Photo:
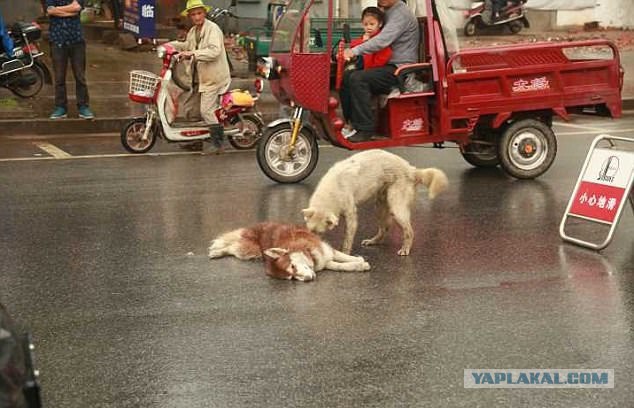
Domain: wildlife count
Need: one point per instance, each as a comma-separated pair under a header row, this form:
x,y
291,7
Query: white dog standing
x,y
372,173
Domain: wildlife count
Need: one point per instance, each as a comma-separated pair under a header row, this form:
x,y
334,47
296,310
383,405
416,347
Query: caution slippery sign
x,y
603,188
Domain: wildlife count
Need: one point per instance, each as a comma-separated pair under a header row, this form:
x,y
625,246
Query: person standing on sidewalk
x,y
204,46
68,45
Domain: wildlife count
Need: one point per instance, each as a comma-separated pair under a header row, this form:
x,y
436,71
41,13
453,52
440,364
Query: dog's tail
x,y
435,180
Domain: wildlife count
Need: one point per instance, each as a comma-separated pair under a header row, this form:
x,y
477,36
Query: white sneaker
x,y
348,132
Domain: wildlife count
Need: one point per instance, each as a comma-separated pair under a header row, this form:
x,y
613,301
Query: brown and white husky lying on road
x,y
289,251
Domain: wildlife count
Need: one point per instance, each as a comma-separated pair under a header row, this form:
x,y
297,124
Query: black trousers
x,y
498,5
361,85
60,56
345,95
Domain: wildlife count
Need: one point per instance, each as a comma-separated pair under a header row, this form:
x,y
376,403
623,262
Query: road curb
x,y
61,126
267,105
43,126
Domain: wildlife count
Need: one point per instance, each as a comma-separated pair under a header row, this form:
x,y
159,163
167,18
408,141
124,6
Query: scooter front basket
x,y
143,85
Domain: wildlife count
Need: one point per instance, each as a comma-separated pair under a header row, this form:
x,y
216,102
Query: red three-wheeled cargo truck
x,y
496,103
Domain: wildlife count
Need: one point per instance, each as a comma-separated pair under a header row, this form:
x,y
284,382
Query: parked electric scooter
x,y
23,73
237,109
480,17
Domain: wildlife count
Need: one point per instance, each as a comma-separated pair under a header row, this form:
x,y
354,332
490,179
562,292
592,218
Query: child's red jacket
x,y
377,59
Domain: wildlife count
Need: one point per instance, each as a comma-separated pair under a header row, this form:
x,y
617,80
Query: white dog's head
x,y
319,221
282,264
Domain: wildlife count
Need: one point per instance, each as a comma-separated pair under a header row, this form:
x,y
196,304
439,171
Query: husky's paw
x,y
216,249
359,259
368,242
403,252
364,266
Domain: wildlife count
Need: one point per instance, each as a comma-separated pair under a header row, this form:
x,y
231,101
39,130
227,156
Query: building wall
x,y
166,10
542,20
253,9
615,13
577,17
612,13
25,10
609,13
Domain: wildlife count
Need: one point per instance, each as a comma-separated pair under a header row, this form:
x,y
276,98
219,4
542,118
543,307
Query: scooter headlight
x,y
259,85
268,68
161,51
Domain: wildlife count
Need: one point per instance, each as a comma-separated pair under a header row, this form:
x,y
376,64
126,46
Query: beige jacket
x,y
210,57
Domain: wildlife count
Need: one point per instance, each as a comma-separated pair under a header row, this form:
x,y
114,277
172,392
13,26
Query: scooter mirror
x,y
346,33
319,42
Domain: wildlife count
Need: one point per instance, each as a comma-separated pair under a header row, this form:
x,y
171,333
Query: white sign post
x,y
602,189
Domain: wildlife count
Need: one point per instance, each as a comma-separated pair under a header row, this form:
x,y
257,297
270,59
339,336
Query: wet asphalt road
x,y
104,259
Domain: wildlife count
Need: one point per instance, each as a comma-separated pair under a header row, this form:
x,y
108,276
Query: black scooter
x,y
480,17
24,73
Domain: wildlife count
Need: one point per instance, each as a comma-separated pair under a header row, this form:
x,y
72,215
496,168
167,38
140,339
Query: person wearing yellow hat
x,y
192,4
204,47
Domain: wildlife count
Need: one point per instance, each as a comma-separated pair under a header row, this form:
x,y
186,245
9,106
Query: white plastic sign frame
x,y
603,187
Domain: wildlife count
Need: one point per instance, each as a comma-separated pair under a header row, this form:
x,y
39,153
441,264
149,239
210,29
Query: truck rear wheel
x,y
527,148
281,163
481,152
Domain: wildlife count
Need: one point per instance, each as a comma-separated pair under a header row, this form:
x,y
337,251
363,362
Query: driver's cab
x,y
303,53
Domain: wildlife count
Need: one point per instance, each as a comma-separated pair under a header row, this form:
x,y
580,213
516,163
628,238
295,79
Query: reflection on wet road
x,y
96,260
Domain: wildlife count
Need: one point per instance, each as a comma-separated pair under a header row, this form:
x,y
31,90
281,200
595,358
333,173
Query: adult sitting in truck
x,y
401,33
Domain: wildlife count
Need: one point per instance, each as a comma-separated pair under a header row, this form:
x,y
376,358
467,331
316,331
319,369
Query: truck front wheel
x,y
283,163
527,148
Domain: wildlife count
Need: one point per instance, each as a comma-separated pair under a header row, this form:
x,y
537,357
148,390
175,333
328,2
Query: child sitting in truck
x,y
372,19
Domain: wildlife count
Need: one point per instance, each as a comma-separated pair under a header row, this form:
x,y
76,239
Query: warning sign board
x,y
603,185
602,189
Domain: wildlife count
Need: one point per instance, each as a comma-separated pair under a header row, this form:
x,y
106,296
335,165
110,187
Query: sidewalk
x,y
108,68
107,72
